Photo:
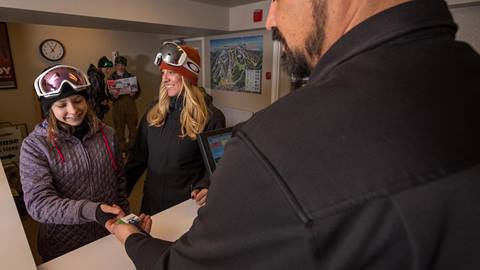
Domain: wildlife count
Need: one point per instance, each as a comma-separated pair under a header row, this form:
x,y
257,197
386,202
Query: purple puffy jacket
x,y
63,185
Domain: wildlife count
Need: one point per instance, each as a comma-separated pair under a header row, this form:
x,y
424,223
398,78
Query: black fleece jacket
x,y
174,164
371,165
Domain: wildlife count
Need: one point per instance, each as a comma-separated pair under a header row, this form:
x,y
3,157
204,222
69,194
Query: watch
x,y
52,49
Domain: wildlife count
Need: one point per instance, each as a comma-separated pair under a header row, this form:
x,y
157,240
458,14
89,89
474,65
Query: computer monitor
x,y
212,145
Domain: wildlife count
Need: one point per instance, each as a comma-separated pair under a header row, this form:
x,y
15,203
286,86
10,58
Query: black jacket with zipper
x,y
372,165
174,164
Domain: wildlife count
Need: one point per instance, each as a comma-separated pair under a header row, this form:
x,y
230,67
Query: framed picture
x,y
236,64
7,72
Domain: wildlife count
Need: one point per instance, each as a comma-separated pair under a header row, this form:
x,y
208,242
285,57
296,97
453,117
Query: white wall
x,y
468,20
241,17
457,2
168,12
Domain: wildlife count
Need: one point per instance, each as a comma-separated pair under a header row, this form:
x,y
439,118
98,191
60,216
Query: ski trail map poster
x,y
236,64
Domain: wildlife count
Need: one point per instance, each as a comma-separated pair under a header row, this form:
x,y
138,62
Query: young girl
x,y
70,166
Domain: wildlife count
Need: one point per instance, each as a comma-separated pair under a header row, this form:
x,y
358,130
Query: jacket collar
x,y
176,103
43,127
383,27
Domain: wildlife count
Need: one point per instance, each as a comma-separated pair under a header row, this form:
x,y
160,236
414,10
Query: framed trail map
x,y
236,64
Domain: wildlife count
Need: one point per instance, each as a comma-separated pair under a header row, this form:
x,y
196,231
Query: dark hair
x,y
121,60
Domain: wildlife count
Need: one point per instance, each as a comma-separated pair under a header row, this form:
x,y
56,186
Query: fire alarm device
x,y
257,15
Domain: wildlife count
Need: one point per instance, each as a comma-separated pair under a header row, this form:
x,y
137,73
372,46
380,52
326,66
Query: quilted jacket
x,y
64,183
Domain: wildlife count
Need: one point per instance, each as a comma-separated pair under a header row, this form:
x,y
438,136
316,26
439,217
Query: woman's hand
x,y
113,209
105,212
200,196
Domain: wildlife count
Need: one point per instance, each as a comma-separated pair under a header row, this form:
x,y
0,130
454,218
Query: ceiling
x,y
227,3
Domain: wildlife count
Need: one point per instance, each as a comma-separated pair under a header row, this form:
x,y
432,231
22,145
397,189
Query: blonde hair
x,y
194,115
54,124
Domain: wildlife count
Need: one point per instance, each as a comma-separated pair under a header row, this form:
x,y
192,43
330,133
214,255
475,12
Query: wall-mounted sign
x,y
7,73
10,142
236,64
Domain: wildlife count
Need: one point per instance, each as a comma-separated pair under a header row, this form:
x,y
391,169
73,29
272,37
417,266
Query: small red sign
x,y
257,15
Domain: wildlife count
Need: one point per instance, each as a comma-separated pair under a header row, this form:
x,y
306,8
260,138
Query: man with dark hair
x,y
374,164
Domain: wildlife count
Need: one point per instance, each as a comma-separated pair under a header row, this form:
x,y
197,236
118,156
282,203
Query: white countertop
x,y
107,253
14,249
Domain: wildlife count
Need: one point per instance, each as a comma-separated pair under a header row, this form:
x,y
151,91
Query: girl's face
x,y
172,82
70,110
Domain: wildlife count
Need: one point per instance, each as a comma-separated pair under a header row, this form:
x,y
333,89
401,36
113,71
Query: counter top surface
x,y
107,253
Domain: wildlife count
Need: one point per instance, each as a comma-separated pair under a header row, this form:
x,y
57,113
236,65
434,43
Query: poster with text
x,y
10,143
7,73
125,86
236,64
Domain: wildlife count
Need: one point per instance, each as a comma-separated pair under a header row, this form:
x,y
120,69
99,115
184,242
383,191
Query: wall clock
x,y
52,49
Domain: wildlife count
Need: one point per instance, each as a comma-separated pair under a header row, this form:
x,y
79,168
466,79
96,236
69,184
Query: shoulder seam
x,y
292,200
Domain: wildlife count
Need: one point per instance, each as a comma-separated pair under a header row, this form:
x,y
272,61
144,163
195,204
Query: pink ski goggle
x,y
50,82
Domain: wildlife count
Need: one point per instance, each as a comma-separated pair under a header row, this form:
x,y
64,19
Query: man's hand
x,y
200,196
123,231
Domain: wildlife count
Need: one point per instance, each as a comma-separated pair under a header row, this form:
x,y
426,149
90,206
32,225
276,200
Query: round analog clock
x,y
52,49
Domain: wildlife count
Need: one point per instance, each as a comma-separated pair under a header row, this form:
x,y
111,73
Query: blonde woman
x,y
166,138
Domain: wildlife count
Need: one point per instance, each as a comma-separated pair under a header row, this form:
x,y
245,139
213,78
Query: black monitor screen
x,y
212,144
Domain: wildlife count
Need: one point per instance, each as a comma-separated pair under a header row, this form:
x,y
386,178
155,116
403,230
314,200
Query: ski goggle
x,y
174,55
50,82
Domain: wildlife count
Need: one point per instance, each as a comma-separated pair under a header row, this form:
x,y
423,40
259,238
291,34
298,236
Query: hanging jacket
x,y
63,185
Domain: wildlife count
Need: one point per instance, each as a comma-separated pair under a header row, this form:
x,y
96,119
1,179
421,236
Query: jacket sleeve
x,y
137,162
121,177
40,196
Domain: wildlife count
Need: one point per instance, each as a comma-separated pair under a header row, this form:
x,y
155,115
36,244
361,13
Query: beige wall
x,y
83,46
468,20
238,100
168,12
